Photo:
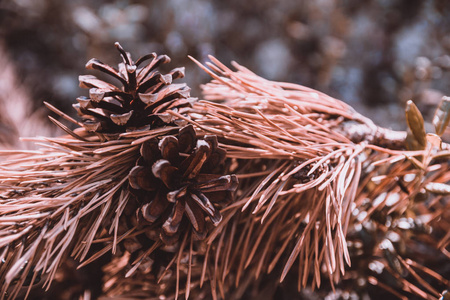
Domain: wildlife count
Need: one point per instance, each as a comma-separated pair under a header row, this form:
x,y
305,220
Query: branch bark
x,y
362,128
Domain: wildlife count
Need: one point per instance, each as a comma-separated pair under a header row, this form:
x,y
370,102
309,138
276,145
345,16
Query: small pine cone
x,y
178,180
142,101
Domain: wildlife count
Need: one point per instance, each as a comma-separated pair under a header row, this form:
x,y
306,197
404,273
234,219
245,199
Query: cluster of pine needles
x,y
326,201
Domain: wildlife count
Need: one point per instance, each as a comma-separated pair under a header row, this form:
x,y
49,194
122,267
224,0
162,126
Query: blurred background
x,y
374,55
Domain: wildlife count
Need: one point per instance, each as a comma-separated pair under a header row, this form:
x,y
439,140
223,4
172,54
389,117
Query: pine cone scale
x,y
84,102
109,107
154,82
140,178
153,210
169,149
177,194
150,151
186,139
121,119
196,163
178,72
196,218
95,64
203,202
148,99
172,223
89,81
144,58
163,170
168,94
155,63
223,183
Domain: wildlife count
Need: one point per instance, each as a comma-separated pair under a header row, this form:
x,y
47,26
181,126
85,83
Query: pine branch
x,y
324,195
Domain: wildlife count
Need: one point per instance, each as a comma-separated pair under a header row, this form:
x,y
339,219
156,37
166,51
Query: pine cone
x,y
178,178
143,99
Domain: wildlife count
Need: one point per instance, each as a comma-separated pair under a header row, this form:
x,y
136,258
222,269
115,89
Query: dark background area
x,y
374,55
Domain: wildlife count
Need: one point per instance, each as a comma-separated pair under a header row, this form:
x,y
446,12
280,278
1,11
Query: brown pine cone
x,y
178,179
142,101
